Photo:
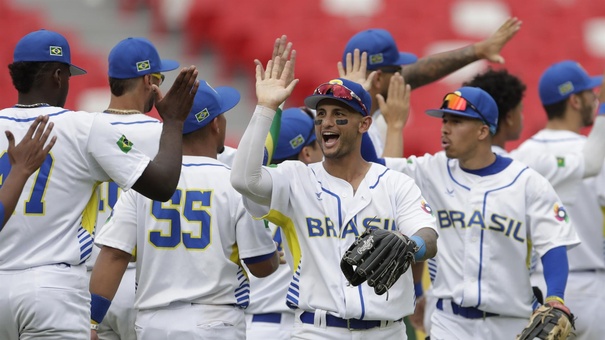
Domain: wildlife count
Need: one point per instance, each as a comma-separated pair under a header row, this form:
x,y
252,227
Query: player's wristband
x,y
98,308
601,109
94,326
554,299
421,247
418,289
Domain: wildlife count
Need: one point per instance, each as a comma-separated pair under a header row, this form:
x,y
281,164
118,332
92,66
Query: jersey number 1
x,y
35,204
194,208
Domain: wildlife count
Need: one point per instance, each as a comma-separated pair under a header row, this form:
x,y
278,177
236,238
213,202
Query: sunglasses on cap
x,y
342,92
159,76
453,101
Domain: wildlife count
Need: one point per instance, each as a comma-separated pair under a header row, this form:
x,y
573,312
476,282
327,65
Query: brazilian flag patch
x,y
56,51
560,162
124,144
143,65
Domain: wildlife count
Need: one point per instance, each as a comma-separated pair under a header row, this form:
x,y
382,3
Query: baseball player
x,y
190,282
322,207
46,242
566,93
508,92
268,316
385,59
24,159
491,212
134,68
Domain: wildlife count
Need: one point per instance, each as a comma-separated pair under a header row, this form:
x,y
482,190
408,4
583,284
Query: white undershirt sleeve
x,y
594,149
248,176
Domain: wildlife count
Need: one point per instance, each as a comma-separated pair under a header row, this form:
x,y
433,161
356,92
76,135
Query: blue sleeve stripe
x,y
257,259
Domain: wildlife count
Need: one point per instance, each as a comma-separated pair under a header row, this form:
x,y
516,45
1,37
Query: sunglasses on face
x,y
341,92
159,76
454,101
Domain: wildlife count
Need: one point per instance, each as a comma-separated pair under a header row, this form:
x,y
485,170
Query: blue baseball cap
x,y
297,131
381,48
45,46
136,57
563,79
208,104
479,105
357,94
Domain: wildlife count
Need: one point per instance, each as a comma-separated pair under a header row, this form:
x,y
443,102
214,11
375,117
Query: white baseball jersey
x,y
268,294
321,217
56,213
189,248
488,221
227,155
582,197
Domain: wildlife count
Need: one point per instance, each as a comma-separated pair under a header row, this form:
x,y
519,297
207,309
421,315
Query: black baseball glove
x,y
378,256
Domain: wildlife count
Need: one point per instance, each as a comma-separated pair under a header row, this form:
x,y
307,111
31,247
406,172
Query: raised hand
x,y
356,69
30,153
396,107
177,102
283,49
490,48
276,83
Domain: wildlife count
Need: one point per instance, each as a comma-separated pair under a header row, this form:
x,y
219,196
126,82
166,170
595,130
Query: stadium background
x,y
222,38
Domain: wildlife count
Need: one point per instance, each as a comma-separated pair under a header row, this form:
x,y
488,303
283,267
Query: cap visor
x,y
439,113
406,58
169,65
229,97
596,81
76,71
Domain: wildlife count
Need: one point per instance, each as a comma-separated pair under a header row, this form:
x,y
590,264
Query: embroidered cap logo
x,y
143,65
200,116
56,51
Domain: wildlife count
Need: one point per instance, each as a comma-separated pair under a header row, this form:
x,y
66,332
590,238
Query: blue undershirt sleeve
x,y
556,269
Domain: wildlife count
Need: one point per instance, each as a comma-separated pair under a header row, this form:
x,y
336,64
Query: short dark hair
x,y
506,89
120,86
25,74
555,110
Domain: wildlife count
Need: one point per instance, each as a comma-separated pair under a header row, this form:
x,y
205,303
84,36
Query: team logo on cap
x,y
56,51
297,141
560,213
565,88
143,66
376,59
200,116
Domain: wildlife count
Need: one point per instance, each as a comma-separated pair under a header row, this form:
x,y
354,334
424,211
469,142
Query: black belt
x,y
466,312
267,317
334,321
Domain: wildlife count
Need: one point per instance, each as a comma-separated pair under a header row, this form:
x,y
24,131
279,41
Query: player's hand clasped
x,y
378,256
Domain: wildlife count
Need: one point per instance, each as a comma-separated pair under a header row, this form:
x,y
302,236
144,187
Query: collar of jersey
x,y
498,165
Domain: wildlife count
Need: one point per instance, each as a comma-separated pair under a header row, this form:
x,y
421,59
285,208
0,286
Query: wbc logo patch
x,y
200,116
56,51
560,213
143,65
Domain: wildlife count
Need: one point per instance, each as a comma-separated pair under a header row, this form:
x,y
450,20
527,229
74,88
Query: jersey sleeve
x,y
252,237
549,222
113,156
556,169
413,211
281,178
120,230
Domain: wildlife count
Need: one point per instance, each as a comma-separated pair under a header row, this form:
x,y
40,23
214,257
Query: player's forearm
x,y
393,146
10,192
594,148
108,271
247,175
436,66
556,270
159,180
417,273
429,237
